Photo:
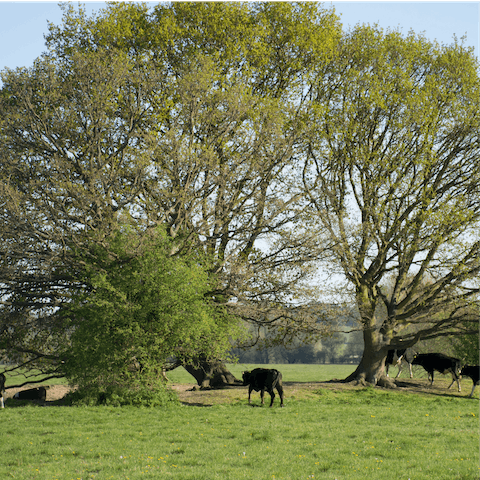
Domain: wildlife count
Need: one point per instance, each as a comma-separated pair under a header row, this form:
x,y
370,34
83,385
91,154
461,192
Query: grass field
x,y
326,431
290,372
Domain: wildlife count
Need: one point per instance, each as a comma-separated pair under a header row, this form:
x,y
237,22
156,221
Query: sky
x,y
24,23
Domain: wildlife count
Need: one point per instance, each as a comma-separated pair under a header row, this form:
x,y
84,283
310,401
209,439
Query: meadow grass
x,y
18,377
327,434
290,372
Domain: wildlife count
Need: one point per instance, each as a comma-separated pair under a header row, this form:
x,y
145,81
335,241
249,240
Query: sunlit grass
x,y
18,377
327,434
290,372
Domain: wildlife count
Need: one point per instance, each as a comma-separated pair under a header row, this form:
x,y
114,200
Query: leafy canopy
x,y
143,305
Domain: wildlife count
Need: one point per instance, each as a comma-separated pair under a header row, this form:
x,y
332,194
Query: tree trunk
x,y
371,369
211,374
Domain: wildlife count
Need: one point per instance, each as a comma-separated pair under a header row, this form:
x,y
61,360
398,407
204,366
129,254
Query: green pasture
x,y
329,433
18,378
290,372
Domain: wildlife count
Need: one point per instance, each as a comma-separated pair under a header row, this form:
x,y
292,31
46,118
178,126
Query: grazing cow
x,y
471,371
261,379
441,363
39,393
2,390
398,357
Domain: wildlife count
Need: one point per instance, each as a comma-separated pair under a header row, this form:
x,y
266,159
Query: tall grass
x,y
331,433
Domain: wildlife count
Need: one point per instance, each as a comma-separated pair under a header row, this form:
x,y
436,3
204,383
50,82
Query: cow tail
x,y
276,378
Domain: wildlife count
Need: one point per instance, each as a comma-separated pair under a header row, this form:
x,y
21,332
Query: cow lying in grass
x,y
262,379
39,393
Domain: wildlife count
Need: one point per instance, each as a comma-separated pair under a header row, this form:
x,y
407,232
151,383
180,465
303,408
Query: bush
x,y
143,306
466,348
117,395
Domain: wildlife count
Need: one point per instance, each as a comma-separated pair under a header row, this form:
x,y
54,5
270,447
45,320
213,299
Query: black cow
x,y
398,357
261,379
441,363
39,393
471,371
2,390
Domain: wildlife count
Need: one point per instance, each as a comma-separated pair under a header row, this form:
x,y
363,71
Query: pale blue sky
x,y
23,24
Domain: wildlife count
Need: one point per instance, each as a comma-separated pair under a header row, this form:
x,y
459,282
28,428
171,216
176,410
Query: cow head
x,y
246,378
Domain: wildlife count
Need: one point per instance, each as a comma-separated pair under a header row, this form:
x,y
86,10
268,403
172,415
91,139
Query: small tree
x,y
143,306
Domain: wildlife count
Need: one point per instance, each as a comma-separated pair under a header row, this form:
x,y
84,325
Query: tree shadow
x,y
419,387
196,404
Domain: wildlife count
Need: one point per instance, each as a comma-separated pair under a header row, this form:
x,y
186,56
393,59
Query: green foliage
x,y
143,305
180,114
393,177
257,134
133,393
467,348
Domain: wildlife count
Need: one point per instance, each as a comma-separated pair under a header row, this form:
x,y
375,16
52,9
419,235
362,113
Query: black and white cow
x,y
39,393
471,371
261,379
441,363
398,357
2,390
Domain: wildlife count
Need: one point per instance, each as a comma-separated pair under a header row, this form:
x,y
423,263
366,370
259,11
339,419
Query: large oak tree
x,y
259,136
392,174
158,119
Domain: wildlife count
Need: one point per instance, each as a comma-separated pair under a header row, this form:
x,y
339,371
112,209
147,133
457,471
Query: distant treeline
x,y
347,348
340,348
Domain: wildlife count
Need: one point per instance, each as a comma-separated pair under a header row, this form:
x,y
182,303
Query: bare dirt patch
x,y
306,390
54,392
189,394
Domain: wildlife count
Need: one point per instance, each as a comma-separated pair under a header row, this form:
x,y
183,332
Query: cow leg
x,y
2,403
280,392
410,369
474,385
455,378
272,396
249,394
386,368
399,365
430,377
262,394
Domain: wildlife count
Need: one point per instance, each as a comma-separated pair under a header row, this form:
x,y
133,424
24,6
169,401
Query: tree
x,y
392,175
68,175
467,347
144,306
158,119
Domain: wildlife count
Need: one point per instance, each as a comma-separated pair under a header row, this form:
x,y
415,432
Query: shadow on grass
x,y
411,386
13,403
212,397
195,404
427,389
